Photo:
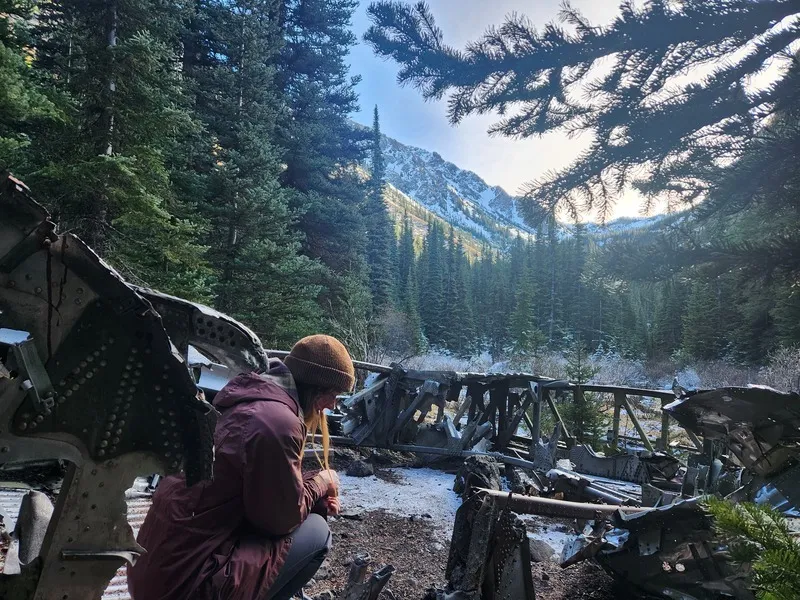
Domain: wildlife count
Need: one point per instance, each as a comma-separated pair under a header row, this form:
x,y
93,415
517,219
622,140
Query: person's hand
x,y
330,481
334,505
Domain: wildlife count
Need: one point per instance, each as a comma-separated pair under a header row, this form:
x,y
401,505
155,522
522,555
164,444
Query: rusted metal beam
x,y
618,399
531,505
637,425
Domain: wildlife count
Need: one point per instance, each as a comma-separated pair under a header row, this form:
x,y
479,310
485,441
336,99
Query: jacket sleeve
x,y
276,497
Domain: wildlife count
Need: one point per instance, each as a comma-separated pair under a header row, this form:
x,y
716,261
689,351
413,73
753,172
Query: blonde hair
x,y
316,421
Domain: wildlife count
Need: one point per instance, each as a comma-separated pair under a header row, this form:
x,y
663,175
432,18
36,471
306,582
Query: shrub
x,y
760,536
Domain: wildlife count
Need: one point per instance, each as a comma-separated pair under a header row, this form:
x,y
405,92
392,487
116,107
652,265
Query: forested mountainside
x,y
207,150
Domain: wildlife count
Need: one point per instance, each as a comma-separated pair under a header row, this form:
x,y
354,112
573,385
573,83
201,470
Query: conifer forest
x,y
206,149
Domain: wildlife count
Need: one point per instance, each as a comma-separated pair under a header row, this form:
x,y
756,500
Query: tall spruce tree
x,y
381,242
322,147
104,169
260,275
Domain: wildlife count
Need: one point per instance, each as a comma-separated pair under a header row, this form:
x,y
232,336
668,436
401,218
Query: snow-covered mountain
x,y
458,196
461,198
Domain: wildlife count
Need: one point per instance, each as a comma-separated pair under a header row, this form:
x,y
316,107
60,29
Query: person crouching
x,y
258,530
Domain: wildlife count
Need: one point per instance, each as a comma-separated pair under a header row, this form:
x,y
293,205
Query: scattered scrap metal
x,y
106,376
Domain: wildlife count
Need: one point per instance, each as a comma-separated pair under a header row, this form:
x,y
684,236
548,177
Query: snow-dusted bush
x,y
783,370
438,360
613,368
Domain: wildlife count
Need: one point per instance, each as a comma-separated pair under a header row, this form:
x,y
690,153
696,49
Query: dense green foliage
x,y
760,539
205,148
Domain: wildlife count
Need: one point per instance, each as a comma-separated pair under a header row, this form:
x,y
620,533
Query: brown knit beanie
x,y
323,361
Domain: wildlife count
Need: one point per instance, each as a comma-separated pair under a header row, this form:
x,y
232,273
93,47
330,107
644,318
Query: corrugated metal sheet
x,y
137,510
11,499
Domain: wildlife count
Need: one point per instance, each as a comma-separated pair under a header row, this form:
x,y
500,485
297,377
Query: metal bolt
x,y
38,290
115,441
101,453
12,284
121,423
103,363
61,399
39,418
103,444
106,434
78,301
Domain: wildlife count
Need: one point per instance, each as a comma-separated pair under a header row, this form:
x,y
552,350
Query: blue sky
x,y
409,119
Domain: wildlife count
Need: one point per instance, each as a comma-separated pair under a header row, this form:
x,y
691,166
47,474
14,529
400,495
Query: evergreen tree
x,y
527,338
103,169
381,241
701,337
459,326
760,536
321,145
24,104
669,322
583,416
432,277
261,278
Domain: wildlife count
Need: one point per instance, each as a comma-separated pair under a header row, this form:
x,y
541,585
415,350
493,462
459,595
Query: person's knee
x,y
322,539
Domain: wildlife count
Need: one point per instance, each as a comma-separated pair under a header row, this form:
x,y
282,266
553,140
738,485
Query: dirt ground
x,y
420,558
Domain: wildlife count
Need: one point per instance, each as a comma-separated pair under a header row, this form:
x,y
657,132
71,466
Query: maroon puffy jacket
x,y
226,538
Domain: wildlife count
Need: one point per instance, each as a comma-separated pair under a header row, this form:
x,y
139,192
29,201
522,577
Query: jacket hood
x,y
276,384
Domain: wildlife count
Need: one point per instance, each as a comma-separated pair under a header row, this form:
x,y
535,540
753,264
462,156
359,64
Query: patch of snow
x,y
556,535
418,492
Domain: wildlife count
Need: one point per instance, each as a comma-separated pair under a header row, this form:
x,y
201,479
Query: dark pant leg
x,y
310,545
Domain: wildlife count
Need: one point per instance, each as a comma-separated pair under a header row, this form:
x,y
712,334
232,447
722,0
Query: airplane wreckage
x,y
107,377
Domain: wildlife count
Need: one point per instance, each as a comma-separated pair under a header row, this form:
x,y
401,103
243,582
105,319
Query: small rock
x,y
437,547
426,516
545,577
322,573
360,468
541,551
